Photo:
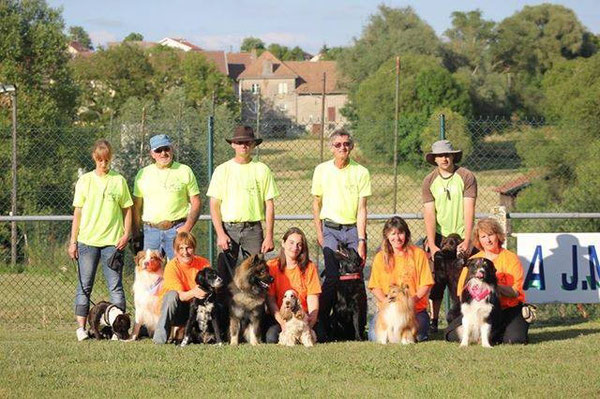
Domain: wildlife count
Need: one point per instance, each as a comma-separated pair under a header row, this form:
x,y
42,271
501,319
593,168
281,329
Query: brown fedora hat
x,y
244,134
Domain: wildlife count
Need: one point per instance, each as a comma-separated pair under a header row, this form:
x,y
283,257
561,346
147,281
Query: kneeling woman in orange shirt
x,y
488,237
293,270
400,262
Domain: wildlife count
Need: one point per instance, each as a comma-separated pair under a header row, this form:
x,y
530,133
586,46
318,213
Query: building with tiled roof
x,y
77,49
292,90
179,43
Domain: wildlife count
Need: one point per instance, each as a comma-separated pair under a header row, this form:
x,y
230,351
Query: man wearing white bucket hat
x,y
449,194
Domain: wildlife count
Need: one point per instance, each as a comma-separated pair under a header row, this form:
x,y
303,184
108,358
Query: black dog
x,y
349,311
480,305
447,266
105,319
204,312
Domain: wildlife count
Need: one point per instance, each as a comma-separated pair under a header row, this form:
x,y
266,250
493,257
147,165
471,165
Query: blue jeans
x,y
422,329
173,312
89,257
161,239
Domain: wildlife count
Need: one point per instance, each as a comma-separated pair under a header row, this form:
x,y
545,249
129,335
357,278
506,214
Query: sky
x,y
222,25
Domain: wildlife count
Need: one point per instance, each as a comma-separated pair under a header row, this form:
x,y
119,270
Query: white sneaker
x,y
81,334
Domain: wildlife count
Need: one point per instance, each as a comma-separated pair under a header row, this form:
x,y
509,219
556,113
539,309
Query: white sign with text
x,y
560,267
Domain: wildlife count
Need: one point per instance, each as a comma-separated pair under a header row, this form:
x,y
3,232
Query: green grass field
x,y
561,361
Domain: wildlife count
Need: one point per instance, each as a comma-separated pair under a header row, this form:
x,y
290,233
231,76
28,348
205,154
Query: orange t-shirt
x,y
304,284
508,271
411,269
182,277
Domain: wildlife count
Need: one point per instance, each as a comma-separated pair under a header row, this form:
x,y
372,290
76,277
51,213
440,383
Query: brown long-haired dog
x,y
396,322
148,281
249,293
297,330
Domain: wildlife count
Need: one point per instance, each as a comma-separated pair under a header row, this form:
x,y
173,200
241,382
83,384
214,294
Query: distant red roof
x,y
311,76
267,66
217,58
186,43
79,49
237,63
516,185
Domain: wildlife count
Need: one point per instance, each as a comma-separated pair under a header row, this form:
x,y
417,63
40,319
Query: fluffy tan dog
x,y
148,281
297,330
396,322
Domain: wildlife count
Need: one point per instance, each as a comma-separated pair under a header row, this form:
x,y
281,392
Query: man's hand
x,y
320,238
223,241
362,251
463,247
267,245
183,228
122,243
72,250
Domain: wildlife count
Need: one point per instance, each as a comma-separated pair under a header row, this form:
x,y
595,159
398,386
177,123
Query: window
x,y
255,89
282,88
331,114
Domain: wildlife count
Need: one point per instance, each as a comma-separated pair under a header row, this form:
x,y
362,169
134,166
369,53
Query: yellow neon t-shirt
x,y
101,199
340,190
242,190
166,192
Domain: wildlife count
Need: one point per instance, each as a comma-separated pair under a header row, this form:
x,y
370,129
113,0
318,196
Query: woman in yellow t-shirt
x,y
488,237
101,227
293,270
398,262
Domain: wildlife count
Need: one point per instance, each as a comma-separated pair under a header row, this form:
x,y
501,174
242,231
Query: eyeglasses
x,y
162,149
346,144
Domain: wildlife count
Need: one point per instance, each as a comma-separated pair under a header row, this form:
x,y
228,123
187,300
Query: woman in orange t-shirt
x,y
401,262
179,286
488,237
293,270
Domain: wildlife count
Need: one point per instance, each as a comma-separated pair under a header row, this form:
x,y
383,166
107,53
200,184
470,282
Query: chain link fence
x,y
38,286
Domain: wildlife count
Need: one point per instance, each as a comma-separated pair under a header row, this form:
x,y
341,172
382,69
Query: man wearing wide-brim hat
x,y
166,198
449,194
241,195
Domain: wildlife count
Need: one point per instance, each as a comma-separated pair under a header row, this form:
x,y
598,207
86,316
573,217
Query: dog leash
x,y
87,294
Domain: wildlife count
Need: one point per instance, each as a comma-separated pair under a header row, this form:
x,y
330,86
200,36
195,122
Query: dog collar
x,y
353,276
478,293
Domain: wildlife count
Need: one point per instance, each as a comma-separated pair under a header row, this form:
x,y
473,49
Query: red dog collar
x,y
353,276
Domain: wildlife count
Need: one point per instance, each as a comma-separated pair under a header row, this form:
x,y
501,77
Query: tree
x,y
533,39
201,79
78,34
425,86
330,53
134,37
252,43
390,32
284,53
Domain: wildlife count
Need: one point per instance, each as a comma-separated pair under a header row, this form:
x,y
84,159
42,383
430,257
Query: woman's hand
x,y
72,250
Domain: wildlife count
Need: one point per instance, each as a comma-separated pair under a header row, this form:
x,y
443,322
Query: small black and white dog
x,y
349,312
204,312
480,305
106,319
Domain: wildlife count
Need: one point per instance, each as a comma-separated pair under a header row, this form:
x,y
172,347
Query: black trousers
x,y
513,328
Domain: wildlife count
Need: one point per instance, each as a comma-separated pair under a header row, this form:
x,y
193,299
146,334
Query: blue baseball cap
x,y
160,140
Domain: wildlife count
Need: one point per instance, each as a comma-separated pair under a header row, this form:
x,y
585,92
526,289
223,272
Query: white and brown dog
x,y
396,322
297,330
146,289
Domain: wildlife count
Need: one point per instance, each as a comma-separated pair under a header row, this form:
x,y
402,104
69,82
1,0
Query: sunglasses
x,y
346,144
162,149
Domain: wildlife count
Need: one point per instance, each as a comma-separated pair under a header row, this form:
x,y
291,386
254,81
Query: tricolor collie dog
x,y
248,296
108,321
297,330
204,312
480,306
396,322
146,288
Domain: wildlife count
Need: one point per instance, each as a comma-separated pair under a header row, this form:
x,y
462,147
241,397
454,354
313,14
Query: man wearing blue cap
x,y
166,198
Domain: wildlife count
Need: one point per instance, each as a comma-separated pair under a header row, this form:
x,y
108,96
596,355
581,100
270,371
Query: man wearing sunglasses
x,y
166,198
241,195
340,188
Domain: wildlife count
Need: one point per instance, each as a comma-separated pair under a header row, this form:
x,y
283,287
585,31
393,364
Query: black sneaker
x,y
433,326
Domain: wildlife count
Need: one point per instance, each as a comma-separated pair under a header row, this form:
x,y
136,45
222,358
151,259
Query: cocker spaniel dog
x,y
297,330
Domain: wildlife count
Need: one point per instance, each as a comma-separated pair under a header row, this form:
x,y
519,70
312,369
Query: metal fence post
x,y
13,207
211,126
442,127
396,136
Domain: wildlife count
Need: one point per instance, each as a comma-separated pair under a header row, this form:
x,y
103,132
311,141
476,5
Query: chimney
x,y
267,68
